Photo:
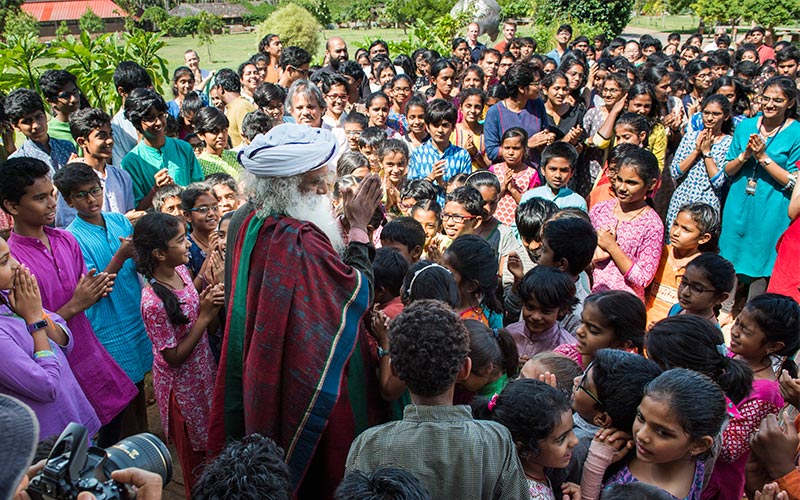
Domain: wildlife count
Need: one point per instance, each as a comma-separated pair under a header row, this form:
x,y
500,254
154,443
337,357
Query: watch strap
x,y
42,323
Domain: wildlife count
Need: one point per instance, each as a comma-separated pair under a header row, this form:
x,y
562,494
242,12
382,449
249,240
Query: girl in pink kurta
x,y
515,176
629,232
176,318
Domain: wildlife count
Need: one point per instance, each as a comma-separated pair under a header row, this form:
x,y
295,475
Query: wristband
x,y
382,352
38,325
741,157
43,354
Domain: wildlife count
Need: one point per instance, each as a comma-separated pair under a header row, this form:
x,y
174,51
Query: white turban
x,y
288,150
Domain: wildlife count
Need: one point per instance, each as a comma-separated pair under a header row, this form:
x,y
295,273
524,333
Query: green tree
x,y
771,14
257,13
295,25
62,31
91,22
318,8
363,11
20,23
723,11
155,18
608,16
404,12
515,9
8,8
207,26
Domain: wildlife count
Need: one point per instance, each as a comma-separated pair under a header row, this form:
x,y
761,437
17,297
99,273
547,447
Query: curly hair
x,y
429,344
389,483
250,469
528,408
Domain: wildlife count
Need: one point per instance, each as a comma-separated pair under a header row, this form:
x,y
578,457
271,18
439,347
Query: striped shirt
x,y
116,319
457,161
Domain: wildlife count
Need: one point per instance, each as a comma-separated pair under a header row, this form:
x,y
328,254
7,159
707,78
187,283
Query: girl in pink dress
x,y
176,318
514,174
629,232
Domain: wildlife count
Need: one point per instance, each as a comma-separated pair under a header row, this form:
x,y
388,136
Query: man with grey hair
x,y
304,103
298,294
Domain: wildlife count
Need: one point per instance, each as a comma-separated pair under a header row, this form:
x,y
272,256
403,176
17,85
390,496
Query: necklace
x,y
752,181
637,214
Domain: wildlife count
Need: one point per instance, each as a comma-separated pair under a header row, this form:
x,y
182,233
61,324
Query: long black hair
x,y
153,232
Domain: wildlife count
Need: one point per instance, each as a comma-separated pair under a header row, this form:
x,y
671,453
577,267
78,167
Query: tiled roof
x,y
69,10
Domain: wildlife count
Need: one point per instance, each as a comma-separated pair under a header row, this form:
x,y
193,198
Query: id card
x,y
752,184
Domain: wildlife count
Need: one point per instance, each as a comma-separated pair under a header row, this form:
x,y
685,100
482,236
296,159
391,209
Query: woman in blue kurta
x,y
761,166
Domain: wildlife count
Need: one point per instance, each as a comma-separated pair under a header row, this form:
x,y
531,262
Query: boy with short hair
x,y
429,346
67,287
91,129
437,159
168,200
105,242
568,243
25,111
254,123
559,161
463,212
127,77
405,235
60,90
389,268
354,125
157,160
370,143
225,190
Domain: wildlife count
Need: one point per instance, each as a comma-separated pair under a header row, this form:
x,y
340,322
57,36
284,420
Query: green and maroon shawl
x,y
292,326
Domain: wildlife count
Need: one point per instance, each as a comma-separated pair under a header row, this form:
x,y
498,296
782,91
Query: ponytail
x,y
510,353
172,305
735,379
494,347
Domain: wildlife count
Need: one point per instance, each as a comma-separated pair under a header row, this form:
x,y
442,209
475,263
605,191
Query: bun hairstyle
x,y
694,343
492,346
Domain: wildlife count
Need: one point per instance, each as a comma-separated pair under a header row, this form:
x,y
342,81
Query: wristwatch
x,y
706,155
766,161
42,323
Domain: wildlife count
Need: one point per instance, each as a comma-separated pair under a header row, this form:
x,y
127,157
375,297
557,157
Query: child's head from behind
x,y
539,419
25,111
383,482
768,325
26,192
493,353
80,187
613,319
679,416
428,280
167,200
688,341
254,123
547,294
389,268
416,191
705,283
530,218
463,212
563,368
696,226
91,129
608,392
352,163
429,345
559,161
474,267
200,207
568,243
405,235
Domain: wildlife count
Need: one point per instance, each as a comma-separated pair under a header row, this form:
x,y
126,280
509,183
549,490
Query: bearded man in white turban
x,y
297,298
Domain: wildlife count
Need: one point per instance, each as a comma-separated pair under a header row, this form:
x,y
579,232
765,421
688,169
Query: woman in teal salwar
x,y
761,167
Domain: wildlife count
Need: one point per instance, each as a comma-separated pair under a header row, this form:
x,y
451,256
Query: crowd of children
x,y
585,283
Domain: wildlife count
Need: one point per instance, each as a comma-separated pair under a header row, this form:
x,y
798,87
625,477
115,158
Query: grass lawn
x,y
683,23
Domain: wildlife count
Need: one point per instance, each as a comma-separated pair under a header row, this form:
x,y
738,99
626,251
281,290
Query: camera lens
x,y
144,451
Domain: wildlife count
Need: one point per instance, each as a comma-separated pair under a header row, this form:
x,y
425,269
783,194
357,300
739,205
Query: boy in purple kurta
x,y
55,258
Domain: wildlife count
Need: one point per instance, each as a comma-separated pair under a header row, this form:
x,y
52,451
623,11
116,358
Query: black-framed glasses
x,y
65,95
151,120
303,72
696,288
457,218
95,192
205,209
582,386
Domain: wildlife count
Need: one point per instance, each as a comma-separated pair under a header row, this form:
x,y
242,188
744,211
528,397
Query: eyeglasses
x,y
205,209
776,100
337,97
582,387
95,192
696,288
69,93
151,120
303,72
353,133
457,218
404,90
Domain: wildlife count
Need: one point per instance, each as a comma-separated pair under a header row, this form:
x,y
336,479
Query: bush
x,y
91,22
20,23
155,18
62,31
317,8
426,11
514,9
295,25
591,16
257,13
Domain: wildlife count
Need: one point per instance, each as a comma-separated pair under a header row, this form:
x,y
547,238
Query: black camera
x,y
73,466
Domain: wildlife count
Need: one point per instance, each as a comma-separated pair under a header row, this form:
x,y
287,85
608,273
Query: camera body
x,y
73,466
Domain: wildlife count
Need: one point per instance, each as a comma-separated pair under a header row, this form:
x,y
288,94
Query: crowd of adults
x,y
491,273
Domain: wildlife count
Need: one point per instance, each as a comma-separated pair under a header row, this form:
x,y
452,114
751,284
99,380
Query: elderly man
x,y
297,297
304,103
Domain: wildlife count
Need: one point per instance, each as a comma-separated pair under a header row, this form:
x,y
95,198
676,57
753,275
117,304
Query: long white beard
x,y
316,209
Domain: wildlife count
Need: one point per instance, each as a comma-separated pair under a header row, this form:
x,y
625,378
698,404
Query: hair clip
x,y
492,402
496,334
722,349
419,271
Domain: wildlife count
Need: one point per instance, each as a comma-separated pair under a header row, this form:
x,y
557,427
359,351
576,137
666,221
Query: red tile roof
x,y
68,10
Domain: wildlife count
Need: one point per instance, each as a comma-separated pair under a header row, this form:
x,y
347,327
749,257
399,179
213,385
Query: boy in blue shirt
x,y
105,242
157,160
559,161
437,160
25,111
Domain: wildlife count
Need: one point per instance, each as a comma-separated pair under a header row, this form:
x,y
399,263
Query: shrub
x,y
91,22
609,16
20,23
62,31
295,25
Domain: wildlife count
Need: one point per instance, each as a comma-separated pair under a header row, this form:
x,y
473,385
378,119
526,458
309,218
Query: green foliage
x,y
363,11
20,23
207,26
718,10
586,16
437,35
295,25
8,8
761,12
18,55
404,12
257,13
515,9
62,31
318,8
91,22
156,17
